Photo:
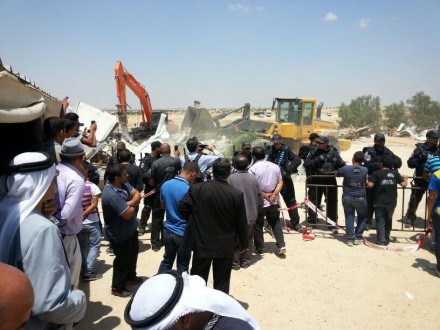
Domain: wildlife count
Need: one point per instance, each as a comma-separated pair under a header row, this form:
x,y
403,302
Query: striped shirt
x,y
432,164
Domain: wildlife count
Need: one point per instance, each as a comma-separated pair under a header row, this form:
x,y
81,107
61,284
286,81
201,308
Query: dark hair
x,y
52,126
69,124
124,155
114,171
258,153
221,168
72,116
191,167
192,144
387,161
358,157
241,162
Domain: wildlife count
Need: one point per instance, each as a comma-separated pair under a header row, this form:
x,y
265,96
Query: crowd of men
x,y
206,212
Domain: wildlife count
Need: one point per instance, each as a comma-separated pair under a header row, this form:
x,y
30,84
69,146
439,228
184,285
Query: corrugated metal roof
x,y
106,123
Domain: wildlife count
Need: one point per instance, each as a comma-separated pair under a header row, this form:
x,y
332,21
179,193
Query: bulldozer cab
x,y
294,115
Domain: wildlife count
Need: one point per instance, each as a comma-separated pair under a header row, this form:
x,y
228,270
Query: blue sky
x,y
226,53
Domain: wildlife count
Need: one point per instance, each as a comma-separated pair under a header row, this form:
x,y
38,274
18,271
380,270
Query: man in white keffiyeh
x,y
173,301
32,243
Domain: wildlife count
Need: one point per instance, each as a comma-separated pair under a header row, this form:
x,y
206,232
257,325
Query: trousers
x,y
125,261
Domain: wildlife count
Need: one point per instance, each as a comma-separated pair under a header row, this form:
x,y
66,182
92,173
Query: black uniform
x,y
373,156
323,162
417,161
145,167
288,162
305,149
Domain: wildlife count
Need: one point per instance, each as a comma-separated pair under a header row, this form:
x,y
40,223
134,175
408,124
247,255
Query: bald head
x,y
165,149
16,299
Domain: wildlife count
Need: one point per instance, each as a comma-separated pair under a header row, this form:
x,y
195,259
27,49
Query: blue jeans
x,y
384,223
172,244
91,233
351,205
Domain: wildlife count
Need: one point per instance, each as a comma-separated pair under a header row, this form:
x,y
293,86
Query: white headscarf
x,y
195,298
19,195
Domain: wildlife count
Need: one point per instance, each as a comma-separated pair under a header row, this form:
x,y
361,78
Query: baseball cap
x,y
245,145
379,136
432,134
73,116
323,139
313,136
120,145
277,138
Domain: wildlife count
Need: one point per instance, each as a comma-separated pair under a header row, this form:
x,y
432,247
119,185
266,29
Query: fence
x,y
403,194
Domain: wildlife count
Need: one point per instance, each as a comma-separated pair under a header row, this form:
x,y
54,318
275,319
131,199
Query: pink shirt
x,y
268,174
70,184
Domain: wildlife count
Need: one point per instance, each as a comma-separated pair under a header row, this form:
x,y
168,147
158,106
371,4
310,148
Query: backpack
x,y
201,176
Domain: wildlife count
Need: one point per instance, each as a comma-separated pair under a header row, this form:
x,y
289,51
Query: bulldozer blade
x,y
198,122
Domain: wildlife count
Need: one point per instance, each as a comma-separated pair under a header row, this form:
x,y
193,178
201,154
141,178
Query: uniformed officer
x,y
373,156
324,160
417,160
288,161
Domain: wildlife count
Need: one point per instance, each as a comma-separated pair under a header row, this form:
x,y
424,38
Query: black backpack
x,y
201,176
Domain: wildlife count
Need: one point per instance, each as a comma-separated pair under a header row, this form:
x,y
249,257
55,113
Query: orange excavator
x,y
124,78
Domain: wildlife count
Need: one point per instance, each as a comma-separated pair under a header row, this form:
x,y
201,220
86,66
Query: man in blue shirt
x,y
434,213
119,202
204,161
171,194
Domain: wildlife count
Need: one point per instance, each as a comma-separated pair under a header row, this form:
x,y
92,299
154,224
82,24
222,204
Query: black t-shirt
x,y
385,184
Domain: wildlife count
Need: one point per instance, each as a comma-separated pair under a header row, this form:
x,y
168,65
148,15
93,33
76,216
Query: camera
x,y
176,147
93,122
203,146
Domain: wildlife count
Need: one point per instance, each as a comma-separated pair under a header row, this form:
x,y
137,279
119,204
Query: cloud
x,y
330,17
363,23
238,7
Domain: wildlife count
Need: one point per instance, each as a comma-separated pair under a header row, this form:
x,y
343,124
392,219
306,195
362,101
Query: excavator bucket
x,y
122,117
199,122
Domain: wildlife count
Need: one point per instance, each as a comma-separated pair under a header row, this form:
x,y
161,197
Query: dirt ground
x,y
320,284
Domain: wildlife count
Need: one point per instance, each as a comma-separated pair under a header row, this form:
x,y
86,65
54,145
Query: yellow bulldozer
x,y
295,119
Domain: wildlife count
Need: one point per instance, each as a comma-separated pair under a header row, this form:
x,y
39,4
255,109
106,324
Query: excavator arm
x,y
124,78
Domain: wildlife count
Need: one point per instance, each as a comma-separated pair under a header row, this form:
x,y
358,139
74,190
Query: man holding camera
x,y
323,161
196,153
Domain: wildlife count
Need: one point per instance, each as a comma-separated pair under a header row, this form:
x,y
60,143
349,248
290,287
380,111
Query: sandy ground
x,y
320,284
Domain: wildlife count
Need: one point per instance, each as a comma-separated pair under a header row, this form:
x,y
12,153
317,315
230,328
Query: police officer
x,y
323,160
288,162
373,156
417,160
145,167
305,148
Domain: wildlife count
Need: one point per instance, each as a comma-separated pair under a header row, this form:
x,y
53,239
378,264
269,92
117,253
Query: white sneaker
x,y
282,251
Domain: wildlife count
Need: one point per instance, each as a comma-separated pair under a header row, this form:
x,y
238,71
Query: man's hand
x,y
93,127
177,153
211,147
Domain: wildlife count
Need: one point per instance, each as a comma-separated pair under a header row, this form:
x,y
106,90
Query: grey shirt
x,y
38,251
253,198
